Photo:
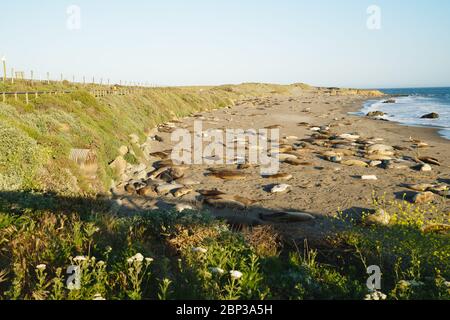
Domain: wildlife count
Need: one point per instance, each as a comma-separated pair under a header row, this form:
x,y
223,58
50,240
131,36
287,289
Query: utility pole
x,y
12,75
31,76
4,68
48,77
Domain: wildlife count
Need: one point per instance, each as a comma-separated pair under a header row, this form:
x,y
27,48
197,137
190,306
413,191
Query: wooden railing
x,y
96,93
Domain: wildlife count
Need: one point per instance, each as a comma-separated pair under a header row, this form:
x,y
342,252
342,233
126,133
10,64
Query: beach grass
x,y
170,255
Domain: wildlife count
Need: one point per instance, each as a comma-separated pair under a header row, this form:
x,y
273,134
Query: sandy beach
x,y
317,186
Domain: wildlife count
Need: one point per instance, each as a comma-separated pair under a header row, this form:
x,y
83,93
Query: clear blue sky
x,y
184,42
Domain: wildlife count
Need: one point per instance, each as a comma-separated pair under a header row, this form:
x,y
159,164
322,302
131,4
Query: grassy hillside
x,y
36,139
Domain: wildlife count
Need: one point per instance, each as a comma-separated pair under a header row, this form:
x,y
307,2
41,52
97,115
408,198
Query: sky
x,y
209,42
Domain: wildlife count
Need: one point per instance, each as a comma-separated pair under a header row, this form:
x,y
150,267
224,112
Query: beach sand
x,y
322,188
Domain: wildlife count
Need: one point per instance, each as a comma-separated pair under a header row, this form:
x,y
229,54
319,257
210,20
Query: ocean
x,y
411,104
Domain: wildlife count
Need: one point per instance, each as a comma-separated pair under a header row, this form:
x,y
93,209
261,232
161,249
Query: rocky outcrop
x,y
432,115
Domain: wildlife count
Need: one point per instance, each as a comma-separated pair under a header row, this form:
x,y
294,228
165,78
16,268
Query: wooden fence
x,y
96,93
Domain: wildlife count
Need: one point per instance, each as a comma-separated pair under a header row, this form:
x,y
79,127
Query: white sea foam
x,y
408,110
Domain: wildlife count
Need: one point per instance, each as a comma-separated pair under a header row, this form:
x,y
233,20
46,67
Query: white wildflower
x,y
101,263
236,274
41,267
130,260
217,270
138,257
79,258
98,296
375,295
149,260
199,249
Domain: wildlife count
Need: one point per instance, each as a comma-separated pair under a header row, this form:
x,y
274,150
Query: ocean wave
x,y
408,110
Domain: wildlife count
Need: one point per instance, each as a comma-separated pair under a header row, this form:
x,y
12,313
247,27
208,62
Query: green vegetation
x,y
52,216
36,139
169,255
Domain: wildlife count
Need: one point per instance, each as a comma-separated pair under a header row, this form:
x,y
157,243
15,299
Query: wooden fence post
x,y
4,97
27,101
15,96
36,95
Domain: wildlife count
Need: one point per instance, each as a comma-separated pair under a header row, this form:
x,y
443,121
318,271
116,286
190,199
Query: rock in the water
x,y
390,101
280,188
432,115
423,197
287,217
